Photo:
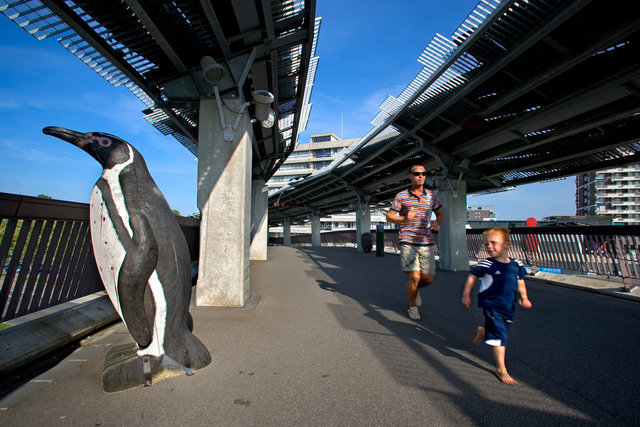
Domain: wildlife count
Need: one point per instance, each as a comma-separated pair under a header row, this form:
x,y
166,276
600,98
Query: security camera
x,y
212,71
263,99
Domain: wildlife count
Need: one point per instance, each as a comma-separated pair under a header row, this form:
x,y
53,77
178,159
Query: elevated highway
x,y
154,48
522,92
229,79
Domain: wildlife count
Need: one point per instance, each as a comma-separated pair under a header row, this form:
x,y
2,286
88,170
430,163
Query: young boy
x,y
501,283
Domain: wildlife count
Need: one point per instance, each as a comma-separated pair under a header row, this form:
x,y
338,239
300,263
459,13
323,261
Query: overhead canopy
x,y
154,48
524,91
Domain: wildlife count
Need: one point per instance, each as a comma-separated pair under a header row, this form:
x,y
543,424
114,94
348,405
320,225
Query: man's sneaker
x,y
413,313
418,299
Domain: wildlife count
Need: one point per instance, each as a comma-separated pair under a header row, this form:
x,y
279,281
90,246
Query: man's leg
x,y
427,259
412,287
425,280
409,257
412,293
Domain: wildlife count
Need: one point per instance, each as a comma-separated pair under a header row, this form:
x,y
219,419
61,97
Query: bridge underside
x,y
155,47
540,89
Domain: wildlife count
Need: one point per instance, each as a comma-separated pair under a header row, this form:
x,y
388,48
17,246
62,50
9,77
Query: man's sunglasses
x,y
419,173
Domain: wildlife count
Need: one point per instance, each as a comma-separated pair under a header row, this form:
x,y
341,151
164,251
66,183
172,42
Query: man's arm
x,y
435,225
395,217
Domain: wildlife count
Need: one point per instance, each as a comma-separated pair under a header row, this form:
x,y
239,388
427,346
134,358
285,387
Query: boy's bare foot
x,y
479,336
505,378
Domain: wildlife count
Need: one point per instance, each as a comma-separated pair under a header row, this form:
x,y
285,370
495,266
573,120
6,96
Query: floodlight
x,y
212,71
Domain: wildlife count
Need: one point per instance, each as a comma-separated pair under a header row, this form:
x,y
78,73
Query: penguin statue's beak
x,y
81,140
65,134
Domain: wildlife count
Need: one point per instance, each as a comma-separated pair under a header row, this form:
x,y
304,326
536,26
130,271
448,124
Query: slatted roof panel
x,y
154,47
524,91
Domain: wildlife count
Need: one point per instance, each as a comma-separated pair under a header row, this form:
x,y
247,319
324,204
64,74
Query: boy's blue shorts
x,y
496,326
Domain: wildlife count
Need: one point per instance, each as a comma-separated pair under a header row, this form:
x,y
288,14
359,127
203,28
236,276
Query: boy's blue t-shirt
x,y
499,284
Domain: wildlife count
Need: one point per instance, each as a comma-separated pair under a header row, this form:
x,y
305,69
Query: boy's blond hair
x,y
506,236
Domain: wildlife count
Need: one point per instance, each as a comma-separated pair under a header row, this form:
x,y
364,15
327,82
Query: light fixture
x,y
211,70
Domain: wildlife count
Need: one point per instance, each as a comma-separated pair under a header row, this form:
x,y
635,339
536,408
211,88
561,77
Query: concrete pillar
x,y
363,222
452,237
286,233
259,220
224,199
315,229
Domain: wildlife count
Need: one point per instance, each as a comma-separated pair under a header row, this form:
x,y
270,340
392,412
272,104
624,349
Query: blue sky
x,y
367,50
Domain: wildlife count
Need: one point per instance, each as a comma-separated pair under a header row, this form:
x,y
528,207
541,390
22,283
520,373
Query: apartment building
x,y
613,192
309,157
481,213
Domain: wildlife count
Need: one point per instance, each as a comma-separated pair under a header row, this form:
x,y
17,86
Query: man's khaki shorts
x,y
418,258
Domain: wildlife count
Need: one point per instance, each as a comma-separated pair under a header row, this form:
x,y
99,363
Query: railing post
x,y
623,255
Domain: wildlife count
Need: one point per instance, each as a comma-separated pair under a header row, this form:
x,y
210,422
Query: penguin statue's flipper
x,y
138,264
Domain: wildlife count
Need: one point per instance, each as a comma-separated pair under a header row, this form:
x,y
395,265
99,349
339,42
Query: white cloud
x,y
19,100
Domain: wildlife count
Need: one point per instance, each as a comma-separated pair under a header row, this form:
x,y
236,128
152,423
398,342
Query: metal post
x,y
380,240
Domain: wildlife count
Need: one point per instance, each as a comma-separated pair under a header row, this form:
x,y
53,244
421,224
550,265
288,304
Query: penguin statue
x,y
144,263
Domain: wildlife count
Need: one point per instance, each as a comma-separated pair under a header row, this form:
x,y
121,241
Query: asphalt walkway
x,y
327,341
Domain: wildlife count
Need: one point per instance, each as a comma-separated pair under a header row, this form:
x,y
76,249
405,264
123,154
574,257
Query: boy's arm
x,y
466,292
522,291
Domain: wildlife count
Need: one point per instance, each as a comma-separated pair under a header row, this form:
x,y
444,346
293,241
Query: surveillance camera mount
x,y
229,132
215,73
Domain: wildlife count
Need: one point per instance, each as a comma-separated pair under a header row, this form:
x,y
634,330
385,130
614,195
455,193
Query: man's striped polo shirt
x,y
417,231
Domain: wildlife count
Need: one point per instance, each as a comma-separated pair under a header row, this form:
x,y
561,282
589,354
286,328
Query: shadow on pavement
x,y
568,352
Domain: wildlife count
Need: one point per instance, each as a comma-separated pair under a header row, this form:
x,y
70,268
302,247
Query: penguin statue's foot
x,y
124,368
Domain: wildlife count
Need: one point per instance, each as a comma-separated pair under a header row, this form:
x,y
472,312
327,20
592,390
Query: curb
x,y
608,292
27,342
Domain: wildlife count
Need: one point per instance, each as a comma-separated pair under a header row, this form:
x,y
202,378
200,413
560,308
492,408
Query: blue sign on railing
x,y
545,269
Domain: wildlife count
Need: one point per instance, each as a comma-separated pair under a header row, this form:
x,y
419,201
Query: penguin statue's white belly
x,y
110,253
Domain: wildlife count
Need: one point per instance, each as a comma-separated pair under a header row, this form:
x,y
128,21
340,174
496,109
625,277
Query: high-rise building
x,y
612,192
586,194
307,158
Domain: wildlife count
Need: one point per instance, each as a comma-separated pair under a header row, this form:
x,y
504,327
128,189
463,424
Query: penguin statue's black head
x,y
107,149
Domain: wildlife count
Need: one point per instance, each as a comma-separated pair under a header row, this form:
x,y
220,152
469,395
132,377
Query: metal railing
x,y
47,257
46,253
608,251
